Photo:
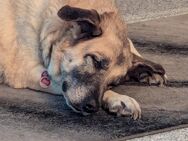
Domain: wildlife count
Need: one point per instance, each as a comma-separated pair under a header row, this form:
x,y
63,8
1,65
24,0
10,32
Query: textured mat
x,y
24,113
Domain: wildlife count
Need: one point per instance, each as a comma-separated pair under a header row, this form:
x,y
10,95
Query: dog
x,y
72,47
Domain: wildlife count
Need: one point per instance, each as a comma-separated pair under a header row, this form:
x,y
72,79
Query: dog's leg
x,y
143,70
121,105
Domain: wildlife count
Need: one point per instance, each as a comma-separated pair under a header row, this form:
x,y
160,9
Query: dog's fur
x,y
83,45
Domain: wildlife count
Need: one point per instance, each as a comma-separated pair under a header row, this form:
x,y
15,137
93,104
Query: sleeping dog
x,y
78,48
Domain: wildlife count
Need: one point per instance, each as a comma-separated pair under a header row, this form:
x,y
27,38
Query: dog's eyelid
x,y
100,57
99,61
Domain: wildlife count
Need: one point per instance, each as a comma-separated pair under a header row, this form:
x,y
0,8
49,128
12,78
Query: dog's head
x,y
91,53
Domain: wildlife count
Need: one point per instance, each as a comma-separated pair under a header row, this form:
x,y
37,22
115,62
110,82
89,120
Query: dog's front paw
x,y
146,71
154,79
121,105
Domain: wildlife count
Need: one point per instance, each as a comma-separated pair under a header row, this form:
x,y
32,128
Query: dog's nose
x,y
91,106
65,86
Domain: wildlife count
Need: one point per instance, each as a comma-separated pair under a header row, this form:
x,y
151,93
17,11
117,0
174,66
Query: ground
x,y
174,135
29,115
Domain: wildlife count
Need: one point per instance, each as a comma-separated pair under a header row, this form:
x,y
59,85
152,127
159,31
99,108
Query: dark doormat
x,y
24,113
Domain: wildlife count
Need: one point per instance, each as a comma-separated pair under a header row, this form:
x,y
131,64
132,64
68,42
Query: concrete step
x,y
171,30
141,10
169,135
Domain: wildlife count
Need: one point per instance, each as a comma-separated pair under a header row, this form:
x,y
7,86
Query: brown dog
x,y
84,47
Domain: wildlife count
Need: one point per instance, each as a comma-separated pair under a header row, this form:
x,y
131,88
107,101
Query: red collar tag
x,y
45,80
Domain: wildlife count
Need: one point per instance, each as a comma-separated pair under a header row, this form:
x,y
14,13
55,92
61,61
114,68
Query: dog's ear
x,y
87,20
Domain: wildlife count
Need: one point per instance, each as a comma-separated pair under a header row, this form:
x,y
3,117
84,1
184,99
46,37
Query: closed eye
x,y
100,64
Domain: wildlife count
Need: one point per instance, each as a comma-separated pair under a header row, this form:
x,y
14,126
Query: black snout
x,y
91,106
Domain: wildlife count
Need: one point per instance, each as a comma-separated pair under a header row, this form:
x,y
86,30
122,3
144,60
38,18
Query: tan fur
x,y
29,28
20,33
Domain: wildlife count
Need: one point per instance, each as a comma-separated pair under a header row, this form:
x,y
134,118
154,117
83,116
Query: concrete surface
x,y
175,135
142,10
33,116
173,33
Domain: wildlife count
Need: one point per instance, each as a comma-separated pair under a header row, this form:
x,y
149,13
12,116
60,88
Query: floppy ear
x,y
87,20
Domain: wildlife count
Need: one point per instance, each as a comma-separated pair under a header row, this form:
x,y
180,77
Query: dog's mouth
x,y
74,108
81,98
78,110
84,105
